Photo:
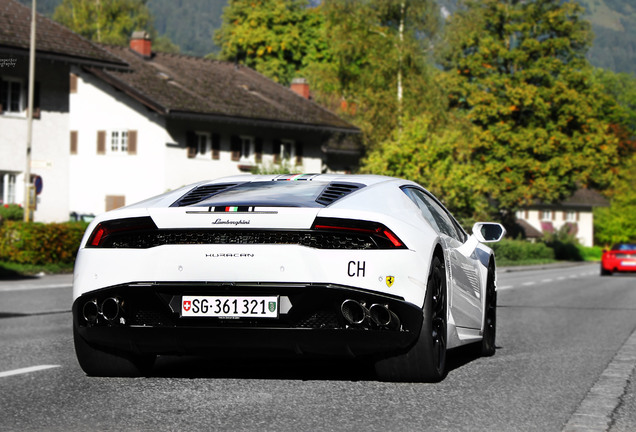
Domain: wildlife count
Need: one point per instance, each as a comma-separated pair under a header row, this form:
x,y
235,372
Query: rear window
x,y
624,247
268,194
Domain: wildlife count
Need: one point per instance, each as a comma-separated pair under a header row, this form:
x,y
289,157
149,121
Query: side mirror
x,y
488,232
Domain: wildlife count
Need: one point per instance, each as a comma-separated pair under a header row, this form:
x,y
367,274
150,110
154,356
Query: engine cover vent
x,y
201,193
335,191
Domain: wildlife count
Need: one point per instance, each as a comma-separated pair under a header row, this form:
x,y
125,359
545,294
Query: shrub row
x,y
38,244
521,250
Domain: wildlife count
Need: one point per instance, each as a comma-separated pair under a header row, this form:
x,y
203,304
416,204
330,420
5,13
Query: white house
x,y
574,213
57,50
115,125
171,120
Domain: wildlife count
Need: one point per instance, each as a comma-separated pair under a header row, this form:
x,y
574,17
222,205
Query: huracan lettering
x,y
229,255
220,221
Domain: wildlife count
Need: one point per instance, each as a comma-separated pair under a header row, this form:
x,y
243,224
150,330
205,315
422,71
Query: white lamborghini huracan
x,y
346,265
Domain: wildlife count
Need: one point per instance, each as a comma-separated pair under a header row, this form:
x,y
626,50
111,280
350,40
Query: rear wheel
x,y
98,362
605,272
425,361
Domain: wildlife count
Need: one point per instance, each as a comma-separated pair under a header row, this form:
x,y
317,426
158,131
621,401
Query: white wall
x,y
97,106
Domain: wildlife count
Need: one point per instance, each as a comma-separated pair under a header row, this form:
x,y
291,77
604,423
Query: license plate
x,y
230,306
628,263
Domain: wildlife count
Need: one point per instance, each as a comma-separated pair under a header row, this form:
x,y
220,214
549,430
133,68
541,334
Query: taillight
x,y
383,237
113,233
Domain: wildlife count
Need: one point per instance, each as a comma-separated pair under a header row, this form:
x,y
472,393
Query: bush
x,y
40,244
11,212
564,243
521,250
590,253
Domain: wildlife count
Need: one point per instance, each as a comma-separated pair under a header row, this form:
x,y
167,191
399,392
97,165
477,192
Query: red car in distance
x,y
621,258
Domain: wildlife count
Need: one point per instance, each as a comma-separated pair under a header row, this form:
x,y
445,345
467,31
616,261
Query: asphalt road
x,y
565,361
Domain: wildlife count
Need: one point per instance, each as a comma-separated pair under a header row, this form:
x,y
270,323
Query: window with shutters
x,y
289,151
12,96
117,142
243,149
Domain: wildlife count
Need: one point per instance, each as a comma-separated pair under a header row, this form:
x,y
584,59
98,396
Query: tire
x,y
425,361
101,363
490,316
605,272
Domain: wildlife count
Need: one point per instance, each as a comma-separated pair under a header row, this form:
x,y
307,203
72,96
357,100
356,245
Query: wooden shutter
x,y
191,144
101,142
115,201
73,83
299,153
235,147
554,215
132,142
258,150
216,146
73,142
36,101
276,151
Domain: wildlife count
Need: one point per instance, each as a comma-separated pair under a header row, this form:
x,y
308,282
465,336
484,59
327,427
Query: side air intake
x,y
335,191
201,193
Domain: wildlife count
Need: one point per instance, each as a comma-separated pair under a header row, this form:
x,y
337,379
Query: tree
x,y
270,36
617,223
517,71
438,157
105,21
375,68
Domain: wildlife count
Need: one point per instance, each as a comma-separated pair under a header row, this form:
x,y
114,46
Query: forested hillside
x,y
190,24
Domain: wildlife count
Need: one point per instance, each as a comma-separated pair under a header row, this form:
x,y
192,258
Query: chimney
x,y
140,43
300,86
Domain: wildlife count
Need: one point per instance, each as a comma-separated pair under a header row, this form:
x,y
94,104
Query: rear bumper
x,y
150,322
619,265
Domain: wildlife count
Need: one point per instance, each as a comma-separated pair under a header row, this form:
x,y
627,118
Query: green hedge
x,y
11,212
521,250
39,244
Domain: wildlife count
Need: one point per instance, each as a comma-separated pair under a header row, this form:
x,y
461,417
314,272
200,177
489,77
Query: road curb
x,y
595,412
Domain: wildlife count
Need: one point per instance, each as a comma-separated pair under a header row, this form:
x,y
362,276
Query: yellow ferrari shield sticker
x,y
390,280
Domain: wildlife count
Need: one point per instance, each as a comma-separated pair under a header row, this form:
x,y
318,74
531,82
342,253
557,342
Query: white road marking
x,y
17,287
528,283
27,370
505,287
547,280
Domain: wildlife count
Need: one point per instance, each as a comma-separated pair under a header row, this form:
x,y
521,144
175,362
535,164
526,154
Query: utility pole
x,y
27,171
